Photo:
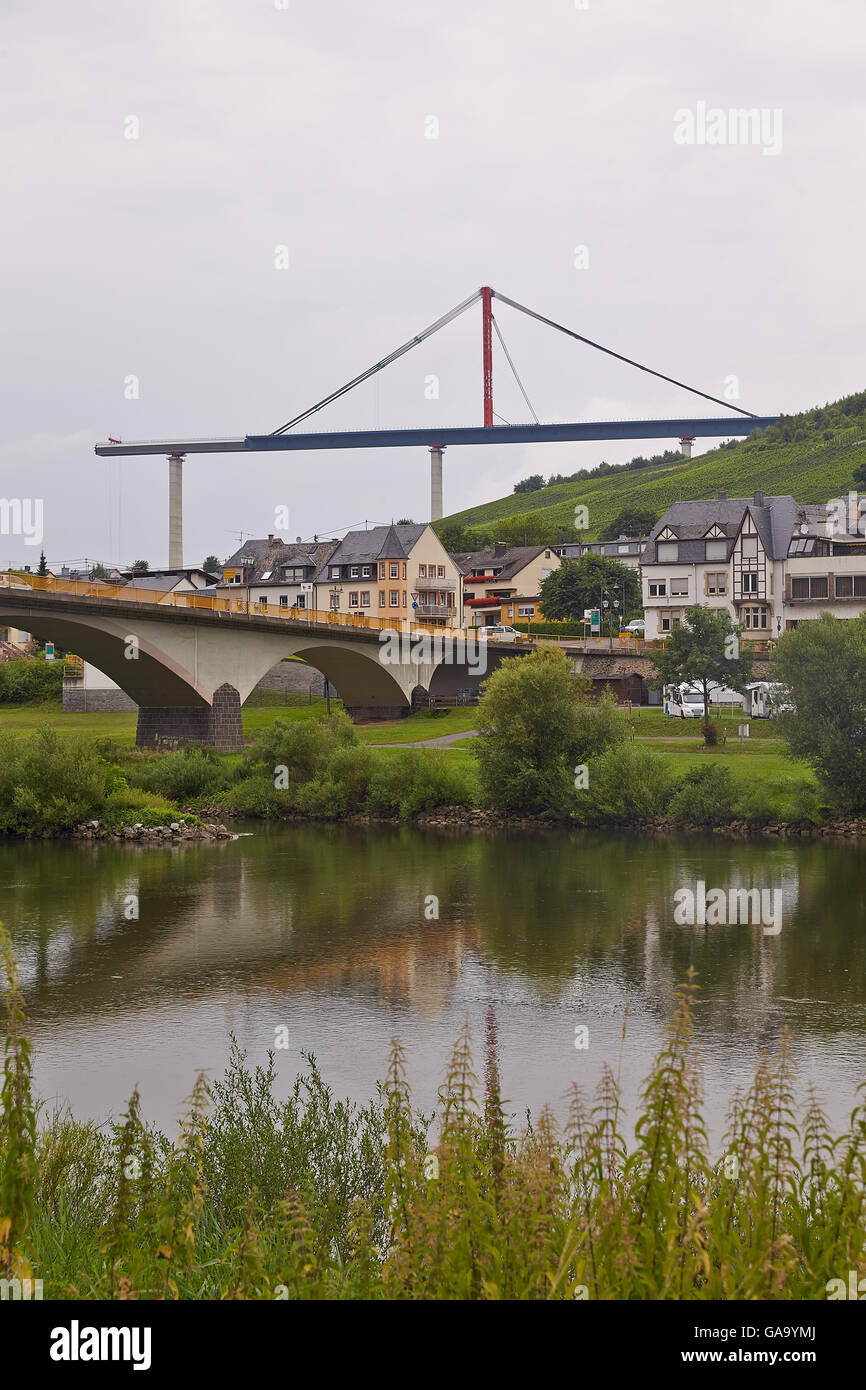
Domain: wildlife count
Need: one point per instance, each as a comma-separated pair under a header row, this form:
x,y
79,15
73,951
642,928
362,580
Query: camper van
x,y
687,701
765,699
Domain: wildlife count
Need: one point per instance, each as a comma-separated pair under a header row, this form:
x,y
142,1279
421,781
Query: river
x,y
330,934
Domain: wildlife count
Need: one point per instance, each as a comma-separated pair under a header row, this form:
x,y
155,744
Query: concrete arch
x,y
367,687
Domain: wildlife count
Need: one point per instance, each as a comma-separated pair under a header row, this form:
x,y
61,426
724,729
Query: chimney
x,y
499,549
723,496
270,541
758,498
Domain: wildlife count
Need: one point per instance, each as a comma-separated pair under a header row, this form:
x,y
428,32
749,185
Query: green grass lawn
x,y
420,726
25,719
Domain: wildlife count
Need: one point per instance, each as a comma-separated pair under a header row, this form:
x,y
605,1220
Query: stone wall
x,y
76,700
220,725
293,675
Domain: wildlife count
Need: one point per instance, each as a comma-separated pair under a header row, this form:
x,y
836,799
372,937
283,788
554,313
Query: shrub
x,y
302,746
48,783
257,797
711,733
183,776
625,784
706,796
419,779
536,726
32,678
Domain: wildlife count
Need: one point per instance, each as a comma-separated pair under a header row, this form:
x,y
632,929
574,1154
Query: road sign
x,y
49,651
595,622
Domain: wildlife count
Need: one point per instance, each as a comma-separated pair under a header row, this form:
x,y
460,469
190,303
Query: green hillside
x,y
811,456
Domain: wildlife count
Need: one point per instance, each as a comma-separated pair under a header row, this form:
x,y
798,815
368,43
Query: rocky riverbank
x,y
174,833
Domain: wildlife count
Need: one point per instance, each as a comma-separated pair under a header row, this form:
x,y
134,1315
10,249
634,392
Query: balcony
x,y
432,610
444,585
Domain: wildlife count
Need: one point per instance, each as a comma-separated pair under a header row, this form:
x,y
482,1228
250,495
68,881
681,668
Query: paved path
x,y
443,741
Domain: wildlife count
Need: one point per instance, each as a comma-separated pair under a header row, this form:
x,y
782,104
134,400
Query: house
x,y
767,560
397,571
626,549
271,570
509,574
165,581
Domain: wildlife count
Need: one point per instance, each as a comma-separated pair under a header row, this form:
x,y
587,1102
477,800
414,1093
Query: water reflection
x,y
323,929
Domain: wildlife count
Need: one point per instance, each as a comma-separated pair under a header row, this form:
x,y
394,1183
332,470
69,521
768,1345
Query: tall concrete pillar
x,y
436,451
175,511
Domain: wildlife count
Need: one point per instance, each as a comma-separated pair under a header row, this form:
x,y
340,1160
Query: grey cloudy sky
x,y
307,126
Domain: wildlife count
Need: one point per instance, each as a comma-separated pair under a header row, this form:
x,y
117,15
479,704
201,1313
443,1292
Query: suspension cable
x,y
513,368
618,355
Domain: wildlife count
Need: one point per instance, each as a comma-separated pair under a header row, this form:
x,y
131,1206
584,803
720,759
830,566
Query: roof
x,y
774,519
509,563
266,558
392,542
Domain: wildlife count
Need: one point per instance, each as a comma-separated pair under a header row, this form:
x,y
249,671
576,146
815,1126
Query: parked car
x,y
637,625
500,633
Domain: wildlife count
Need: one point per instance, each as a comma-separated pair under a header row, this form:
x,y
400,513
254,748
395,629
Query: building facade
x,y
766,560
509,575
400,571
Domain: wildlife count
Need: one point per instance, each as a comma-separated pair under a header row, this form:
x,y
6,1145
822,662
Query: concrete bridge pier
x,y
172,726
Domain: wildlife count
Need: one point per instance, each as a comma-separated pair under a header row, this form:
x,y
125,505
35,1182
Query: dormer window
x,y
715,531
666,535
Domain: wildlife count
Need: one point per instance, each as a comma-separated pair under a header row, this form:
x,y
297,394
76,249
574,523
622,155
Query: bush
x,y
183,776
420,779
536,727
625,784
257,797
706,796
48,783
31,678
711,733
302,746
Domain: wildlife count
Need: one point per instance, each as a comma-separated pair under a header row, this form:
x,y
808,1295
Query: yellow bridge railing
x,y
213,603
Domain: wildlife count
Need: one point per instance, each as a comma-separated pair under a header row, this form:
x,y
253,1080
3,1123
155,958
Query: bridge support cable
x,y
551,323
514,370
386,362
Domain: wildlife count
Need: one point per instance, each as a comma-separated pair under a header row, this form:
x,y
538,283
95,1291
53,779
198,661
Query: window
x,y
365,598
440,573
404,569
234,579
404,594
382,574
393,570
716,583
670,619
620,550
811,586
658,588
679,587
301,601
524,610
382,596
293,574
394,598
353,572
716,550
860,585
667,550
422,571
755,617
353,598
263,598
284,600
749,582
366,571
844,587
335,571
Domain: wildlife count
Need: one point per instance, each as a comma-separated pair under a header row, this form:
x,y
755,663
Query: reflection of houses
x,y
501,579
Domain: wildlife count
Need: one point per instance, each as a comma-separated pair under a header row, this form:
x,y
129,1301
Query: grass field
x,y
121,727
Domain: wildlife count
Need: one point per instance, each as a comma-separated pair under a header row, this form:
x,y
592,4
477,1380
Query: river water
x,y
329,934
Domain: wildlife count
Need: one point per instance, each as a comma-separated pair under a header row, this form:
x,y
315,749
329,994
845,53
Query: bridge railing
x,y
215,603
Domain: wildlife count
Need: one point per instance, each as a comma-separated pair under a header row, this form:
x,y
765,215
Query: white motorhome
x,y
687,701
765,699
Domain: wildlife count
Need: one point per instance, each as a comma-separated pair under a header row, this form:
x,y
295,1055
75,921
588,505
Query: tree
x,y
43,564
822,664
140,567
406,521
211,564
631,521
576,585
860,475
98,571
531,484
705,650
537,727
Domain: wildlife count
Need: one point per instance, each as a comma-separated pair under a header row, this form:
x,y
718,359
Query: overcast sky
x,y
308,127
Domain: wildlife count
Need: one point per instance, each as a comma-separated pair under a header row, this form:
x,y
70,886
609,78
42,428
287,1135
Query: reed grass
x,y
314,1198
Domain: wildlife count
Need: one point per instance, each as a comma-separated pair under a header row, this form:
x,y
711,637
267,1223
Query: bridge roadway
x,y
190,660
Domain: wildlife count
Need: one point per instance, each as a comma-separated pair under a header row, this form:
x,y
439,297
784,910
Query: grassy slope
x,y
810,471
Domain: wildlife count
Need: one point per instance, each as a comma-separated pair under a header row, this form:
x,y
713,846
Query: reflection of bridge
x,y
189,660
